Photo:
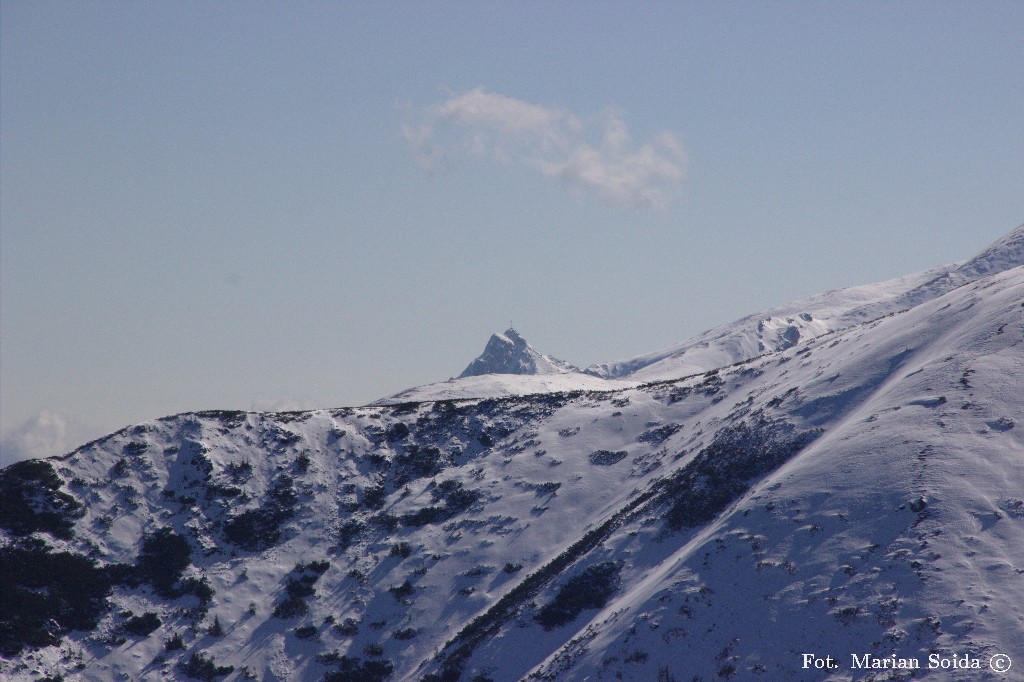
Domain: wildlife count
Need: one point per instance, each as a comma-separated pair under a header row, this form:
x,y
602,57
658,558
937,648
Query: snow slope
x,y
899,531
504,385
859,492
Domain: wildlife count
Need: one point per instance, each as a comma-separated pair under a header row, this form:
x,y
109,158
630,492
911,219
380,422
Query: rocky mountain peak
x,y
510,353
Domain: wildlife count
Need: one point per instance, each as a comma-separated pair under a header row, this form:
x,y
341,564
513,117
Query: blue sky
x,y
269,205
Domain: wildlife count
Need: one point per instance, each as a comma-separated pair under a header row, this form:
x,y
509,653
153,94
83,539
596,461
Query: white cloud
x,y
44,435
598,154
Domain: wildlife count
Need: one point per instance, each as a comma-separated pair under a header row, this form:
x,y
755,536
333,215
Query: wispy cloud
x,y
597,153
44,435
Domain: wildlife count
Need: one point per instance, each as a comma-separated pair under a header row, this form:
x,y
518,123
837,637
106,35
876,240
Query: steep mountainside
x,y
858,492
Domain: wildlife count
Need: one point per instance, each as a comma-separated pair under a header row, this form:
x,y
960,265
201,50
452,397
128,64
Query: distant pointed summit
x,y
509,353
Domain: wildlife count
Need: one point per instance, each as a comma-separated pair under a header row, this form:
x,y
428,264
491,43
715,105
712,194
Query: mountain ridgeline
x,y
850,487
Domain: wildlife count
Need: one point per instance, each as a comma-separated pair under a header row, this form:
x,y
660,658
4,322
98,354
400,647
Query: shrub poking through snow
x,y
456,500
354,669
163,558
216,629
259,529
722,471
400,549
291,608
201,667
299,588
31,500
659,435
45,594
587,590
348,628
305,632
142,625
607,457
402,591
375,496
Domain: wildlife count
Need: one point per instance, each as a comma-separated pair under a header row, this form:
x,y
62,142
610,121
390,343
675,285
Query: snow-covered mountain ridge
x,y
781,327
767,331
856,492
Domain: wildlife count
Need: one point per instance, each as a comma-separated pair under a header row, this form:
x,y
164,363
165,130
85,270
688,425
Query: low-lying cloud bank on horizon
x,y
597,154
44,435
